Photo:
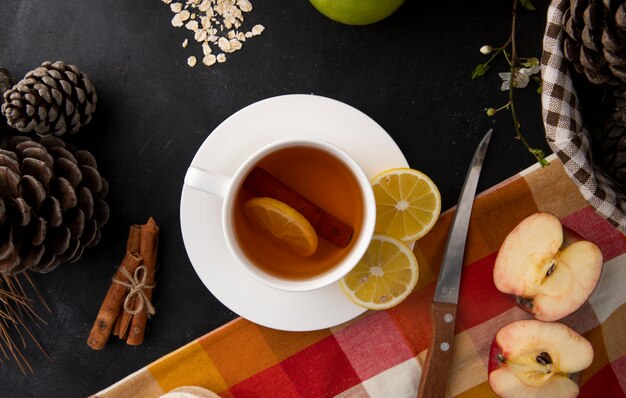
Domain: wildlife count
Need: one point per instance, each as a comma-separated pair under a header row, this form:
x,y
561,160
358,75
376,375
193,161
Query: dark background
x,y
410,73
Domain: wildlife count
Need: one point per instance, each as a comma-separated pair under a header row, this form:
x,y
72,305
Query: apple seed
x,y
551,269
544,358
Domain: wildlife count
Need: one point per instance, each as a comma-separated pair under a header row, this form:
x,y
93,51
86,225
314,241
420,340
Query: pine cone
x,y
51,204
52,99
595,39
6,82
611,149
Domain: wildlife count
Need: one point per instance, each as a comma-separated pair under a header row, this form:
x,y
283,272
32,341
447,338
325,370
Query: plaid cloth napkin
x,y
378,355
563,123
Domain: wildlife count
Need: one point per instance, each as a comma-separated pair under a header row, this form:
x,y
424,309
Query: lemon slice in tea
x,y
385,275
408,203
283,223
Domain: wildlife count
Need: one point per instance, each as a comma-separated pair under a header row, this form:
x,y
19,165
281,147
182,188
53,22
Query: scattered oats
x,y
214,23
192,26
184,15
257,29
209,59
176,7
206,48
176,21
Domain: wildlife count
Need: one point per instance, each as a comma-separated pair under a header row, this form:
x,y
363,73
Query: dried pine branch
x,y
16,314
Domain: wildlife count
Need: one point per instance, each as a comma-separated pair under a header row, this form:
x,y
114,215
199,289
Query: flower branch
x,y
521,71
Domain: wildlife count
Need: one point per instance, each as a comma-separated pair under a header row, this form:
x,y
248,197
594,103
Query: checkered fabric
x,y
563,122
379,354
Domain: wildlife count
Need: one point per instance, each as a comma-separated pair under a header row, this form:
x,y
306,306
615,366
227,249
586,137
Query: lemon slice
x,y
385,275
283,223
408,203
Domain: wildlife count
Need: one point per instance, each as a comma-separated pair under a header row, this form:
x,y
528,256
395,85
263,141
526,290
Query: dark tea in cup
x,y
322,179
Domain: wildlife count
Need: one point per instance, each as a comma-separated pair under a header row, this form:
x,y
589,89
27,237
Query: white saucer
x,y
228,146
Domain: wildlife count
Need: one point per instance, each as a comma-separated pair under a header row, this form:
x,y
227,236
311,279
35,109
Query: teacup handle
x,y
206,181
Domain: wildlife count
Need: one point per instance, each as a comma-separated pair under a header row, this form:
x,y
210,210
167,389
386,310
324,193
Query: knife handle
x,y
435,373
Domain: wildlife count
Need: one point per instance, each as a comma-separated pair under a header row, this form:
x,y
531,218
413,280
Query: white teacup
x,y
227,187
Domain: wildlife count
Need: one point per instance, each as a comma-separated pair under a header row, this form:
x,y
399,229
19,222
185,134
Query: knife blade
x,y
443,309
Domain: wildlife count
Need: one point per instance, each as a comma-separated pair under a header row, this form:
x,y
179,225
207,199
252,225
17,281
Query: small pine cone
x,y
595,39
55,98
51,204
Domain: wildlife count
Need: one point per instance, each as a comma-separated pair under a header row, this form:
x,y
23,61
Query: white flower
x,y
522,77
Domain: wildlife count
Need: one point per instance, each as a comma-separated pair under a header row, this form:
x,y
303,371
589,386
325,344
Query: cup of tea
x,y
314,178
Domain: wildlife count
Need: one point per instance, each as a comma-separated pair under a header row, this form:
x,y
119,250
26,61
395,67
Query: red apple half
x,y
532,358
549,278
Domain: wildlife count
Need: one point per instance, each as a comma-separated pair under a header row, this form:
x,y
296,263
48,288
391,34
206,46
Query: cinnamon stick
x,y
134,238
148,250
123,319
117,326
112,304
327,226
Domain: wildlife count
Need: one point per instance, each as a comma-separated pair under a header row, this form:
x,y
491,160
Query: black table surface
x,y
410,73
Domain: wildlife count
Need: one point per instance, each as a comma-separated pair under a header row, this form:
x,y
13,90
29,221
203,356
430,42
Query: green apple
x,y
357,12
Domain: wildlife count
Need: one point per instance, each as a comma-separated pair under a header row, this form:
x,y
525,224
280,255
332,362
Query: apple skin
x,y
357,12
549,269
514,367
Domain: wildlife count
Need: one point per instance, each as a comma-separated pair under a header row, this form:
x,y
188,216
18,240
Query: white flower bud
x,y
486,49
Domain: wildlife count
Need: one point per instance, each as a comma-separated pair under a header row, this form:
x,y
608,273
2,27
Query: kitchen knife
x,y
435,371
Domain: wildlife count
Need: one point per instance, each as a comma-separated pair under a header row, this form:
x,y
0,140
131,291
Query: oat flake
x,y
257,29
209,59
176,7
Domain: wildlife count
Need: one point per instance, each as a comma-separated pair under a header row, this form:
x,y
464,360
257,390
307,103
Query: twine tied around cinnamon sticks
x,y
136,283
126,306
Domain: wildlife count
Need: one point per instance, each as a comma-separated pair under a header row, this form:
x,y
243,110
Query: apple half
x,y
550,270
532,358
